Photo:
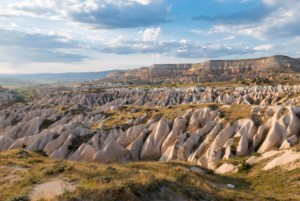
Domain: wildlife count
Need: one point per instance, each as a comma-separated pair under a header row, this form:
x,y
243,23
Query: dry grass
x,y
235,112
142,180
125,114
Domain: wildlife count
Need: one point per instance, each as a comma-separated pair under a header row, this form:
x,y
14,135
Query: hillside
x,y
159,143
213,70
27,175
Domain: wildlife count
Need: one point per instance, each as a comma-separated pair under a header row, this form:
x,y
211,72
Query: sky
x,y
52,36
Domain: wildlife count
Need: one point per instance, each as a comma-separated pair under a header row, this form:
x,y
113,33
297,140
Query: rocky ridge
x,y
73,126
213,70
6,97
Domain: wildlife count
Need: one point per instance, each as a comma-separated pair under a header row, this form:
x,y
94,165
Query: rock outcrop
x,y
213,70
74,126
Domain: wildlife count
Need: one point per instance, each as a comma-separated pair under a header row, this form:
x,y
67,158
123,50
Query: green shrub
x,y
243,166
46,123
78,141
256,154
56,169
19,198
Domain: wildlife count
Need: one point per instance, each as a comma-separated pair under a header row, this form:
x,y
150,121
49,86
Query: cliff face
x,y
213,70
281,63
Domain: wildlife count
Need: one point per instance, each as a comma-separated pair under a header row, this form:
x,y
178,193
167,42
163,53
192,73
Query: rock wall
x,y
213,70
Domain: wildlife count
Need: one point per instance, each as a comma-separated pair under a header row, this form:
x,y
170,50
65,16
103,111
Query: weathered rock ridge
x,y
6,97
213,70
70,126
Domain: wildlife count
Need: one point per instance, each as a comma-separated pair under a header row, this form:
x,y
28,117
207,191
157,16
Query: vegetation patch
x,y
77,141
235,112
125,114
46,123
145,180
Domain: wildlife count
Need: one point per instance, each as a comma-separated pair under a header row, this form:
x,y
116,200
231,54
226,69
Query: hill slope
x,y
27,175
213,70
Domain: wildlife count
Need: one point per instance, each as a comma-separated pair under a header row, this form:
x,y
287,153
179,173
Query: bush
x,y
56,169
243,166
256,154
46,123
19,198
78,141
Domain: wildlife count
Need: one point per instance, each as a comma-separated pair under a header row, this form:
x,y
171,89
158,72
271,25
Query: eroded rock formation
x,y
71,126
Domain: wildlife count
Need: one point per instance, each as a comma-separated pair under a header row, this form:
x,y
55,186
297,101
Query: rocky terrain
x,y
274,68
222,129
6,97
199,125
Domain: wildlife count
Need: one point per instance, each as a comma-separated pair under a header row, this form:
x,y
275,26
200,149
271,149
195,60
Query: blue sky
x,y
39,36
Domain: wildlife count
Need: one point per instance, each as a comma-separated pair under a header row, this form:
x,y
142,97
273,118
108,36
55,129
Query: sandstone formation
x,y
73,125
6,97
213,70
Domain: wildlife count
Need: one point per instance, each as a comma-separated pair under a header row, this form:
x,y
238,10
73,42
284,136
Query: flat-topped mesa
x,y
212,70
282,63
156,72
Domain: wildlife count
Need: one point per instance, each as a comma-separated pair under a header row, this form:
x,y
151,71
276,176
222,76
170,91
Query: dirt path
x,y
49,190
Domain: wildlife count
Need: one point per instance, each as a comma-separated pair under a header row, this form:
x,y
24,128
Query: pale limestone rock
x,y
114,134
17,144
5,143
152,147
63,151
38,142
275,135
288,143
285,160
87,154
179,127
55,144
228,153
75,156
205,144
226,168
95,141
113,152
136,146
258,137
242,148
256,159
130,135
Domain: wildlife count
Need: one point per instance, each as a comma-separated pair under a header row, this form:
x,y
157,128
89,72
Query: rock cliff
x,y
213,70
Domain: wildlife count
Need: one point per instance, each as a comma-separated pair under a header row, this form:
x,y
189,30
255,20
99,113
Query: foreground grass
x,y
140,181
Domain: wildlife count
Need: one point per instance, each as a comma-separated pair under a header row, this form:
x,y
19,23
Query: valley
x,y
191,141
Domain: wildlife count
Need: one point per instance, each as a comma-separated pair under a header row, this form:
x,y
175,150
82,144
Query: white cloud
x,y
151,34
116,41
144,2
178,49
264,48
102,14
278,2
229,38
282,21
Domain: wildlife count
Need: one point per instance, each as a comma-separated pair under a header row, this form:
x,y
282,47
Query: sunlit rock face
x,y
213,70
82,126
